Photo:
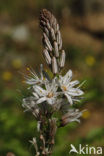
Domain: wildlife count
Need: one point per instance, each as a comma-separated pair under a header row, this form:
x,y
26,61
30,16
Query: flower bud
x,y
46,31
59,40
48,25
57,27
54,65
47,42
56,51
52,34
53,22
47,56
62,59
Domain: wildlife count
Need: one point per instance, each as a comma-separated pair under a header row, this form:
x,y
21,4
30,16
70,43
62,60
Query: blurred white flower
x,y
29,103
20,33
48,94
67,87
71,115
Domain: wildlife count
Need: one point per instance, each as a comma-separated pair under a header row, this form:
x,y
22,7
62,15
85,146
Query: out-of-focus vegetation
x,y
82,27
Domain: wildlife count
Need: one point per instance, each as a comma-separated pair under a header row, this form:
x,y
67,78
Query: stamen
x,y
50,95
64,88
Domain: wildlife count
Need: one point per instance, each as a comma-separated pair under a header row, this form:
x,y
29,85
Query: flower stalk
x,y
51,95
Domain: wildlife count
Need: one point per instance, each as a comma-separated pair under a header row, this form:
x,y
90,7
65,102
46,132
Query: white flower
x,y
71,115
58,104
29,103
48,94
34,79
67,87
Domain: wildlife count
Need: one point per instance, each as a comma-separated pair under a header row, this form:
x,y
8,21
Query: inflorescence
x,y
51,95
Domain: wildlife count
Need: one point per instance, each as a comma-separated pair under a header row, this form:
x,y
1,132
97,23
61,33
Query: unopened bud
x,y
34,142
47,42
48,25
52,142
62,59
53,22
41,137
46,31
57,27
53,34
56,51
54,65
42,24
37,154
59,40
47,56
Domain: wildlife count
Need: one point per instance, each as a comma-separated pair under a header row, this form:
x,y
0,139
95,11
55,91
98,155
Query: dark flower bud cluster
x,y
52,41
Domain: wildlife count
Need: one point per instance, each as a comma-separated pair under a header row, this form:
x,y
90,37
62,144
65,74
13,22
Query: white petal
x,y
31,81
67,78
41,100
40,91
73,83
47,85
57,94
75,92
35,95
77,100
54,88
51,100
69,98
60,80
74,119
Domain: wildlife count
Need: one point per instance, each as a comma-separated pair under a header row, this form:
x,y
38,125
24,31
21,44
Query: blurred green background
x,y
82,27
